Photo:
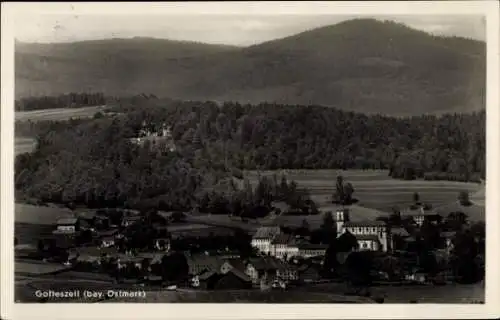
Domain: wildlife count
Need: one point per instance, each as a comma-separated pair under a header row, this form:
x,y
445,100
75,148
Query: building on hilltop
x,y
156,139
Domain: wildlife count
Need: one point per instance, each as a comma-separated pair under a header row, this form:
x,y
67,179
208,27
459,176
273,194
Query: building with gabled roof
x,y
371,234
419,214
263,237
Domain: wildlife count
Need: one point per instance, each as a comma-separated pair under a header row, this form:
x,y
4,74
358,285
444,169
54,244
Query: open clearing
x,y
373,188
37,267
58,114
23,145
27,213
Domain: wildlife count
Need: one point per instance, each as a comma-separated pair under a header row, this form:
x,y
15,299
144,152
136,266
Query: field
x,y
23,144
373,188
58,114
27,213
453,293
37,267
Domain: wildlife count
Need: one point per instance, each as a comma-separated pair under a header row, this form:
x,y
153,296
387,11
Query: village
x,y
166,250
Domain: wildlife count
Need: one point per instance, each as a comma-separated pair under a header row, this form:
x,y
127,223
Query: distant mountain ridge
x,y
361,65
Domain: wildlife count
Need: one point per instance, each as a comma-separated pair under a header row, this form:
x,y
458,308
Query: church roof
x,y
367,223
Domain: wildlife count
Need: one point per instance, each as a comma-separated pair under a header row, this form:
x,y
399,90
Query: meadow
x,y
373,188
58,114
41,215
23,145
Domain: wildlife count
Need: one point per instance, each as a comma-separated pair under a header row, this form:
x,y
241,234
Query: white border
x,y
490,9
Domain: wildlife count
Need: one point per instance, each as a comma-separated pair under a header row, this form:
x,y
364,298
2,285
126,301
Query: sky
x,y
239,30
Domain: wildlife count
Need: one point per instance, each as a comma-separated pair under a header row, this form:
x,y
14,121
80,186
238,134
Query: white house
x,y
283,246
67,224
263,238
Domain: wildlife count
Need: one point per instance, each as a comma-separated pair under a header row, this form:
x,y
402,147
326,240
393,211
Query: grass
x,y
23,144
27,213
58,114
37,268
30,233
373,188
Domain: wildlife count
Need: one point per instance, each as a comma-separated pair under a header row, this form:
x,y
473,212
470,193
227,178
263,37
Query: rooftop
x,y
268,263
65,221
419,211
366,223
399,231
284,238
267,232
312,246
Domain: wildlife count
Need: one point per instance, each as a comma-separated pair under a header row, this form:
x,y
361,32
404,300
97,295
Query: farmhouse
x,y
228,274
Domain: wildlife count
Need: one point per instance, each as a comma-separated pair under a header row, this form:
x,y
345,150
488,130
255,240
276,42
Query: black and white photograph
x,y
249,158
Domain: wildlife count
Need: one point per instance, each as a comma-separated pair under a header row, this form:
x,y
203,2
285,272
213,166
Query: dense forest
x,y
93,162
71,100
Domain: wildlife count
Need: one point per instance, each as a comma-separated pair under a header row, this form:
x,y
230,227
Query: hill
x,y
361,65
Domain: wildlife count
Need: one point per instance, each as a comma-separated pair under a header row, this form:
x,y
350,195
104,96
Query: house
x,y
263,237
262,267
309,273
94,255
419,214
152,257
284,246
287,273
158,138
200,263
107,238
130,220
270,268
68,225
417,276
308,250
107,242
228,274
231,280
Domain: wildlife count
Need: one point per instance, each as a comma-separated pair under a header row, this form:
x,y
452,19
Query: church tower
x,y
341,217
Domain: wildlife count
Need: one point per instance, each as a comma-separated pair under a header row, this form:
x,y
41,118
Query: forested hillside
x,y
78,159
362,65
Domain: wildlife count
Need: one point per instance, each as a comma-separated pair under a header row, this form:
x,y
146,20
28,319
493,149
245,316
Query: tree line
x,y
71,100
93,162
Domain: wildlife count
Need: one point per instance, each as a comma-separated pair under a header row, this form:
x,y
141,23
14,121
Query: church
x,y
371,235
